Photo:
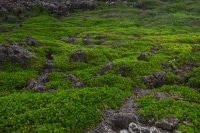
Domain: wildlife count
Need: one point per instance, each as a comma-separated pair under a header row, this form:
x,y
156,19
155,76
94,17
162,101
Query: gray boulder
x,y
142,57
105,69
78,56
39,84
155,80
15,54
75,81
32,42
168,124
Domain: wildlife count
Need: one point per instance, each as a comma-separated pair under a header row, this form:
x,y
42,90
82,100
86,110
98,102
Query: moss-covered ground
x,y
120,33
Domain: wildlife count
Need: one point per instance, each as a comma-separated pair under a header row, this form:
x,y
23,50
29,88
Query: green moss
x,y
170,27
190,94
66,111
194,78
152,108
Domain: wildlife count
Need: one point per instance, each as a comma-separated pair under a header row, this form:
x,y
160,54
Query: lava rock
x,y
167,124
78,56
75,81
15,53
141,92
142,57
154,130
87,40
58,8
105,69
122,120
32,42
39,84
71,39
160,95
156,80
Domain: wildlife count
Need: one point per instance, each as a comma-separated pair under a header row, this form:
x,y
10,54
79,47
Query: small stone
x,y
106,69
75,81
32,42
142,57
160,95
78,56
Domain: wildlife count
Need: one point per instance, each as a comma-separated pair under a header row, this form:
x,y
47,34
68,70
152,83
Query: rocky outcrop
x,y
32,42
74,81
78,56
142,57
168,124
126,119
39,84
105,69
87,40
59,8
155,80
15,54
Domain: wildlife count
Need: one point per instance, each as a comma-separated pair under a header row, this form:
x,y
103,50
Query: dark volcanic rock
x,y
122,120
160,95
156,80
15,53
141,92
167,124
32,42
70,40
75,81
87,40
58,8
39,84
142,57
105,69
78,56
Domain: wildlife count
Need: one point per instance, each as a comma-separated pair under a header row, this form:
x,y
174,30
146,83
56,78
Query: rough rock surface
x,y
105,69
78,56
155,80
167,124
15,53
141,92
39,84
126,119
58,8
70,40
87,40
142,57
32,42
161,95
75,81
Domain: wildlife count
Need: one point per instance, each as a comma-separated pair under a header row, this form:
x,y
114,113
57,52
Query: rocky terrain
x,y
99,66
